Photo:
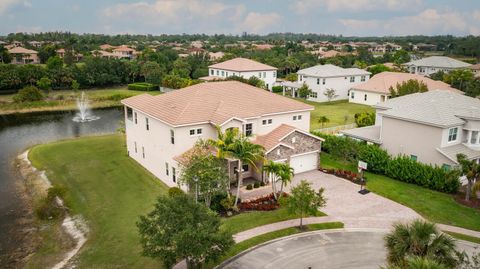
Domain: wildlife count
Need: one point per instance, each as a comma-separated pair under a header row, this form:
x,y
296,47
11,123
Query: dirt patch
x,y
473,203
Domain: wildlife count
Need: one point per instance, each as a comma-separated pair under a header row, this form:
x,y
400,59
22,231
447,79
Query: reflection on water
x,y
17,133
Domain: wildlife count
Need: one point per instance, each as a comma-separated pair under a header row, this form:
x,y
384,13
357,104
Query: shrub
x,y
29,94
376,157
249,187
227,203
173,191
216,202
263,184
142,86
277,89
48,208
256,185
365,119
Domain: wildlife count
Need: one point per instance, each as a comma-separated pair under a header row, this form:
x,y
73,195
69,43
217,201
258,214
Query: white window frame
x,y
267,122
452,134
352,79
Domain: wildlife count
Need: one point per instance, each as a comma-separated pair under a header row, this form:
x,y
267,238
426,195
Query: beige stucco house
x,y
431,127
22,55
377,89
161,129
429,65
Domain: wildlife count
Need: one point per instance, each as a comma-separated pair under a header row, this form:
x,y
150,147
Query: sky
x,y
339,17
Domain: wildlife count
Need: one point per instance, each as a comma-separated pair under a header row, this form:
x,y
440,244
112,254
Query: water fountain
x,y
84,114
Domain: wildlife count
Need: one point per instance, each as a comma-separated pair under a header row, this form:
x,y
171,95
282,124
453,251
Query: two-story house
x,y
377,89
22,55
429,65
243,67
161,129
323,77
431,127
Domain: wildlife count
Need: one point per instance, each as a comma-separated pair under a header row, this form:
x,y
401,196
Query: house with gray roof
x,y
431,127
321,78
429,65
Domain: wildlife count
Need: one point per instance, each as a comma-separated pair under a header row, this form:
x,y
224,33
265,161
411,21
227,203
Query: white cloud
x,y
258,23
306,6
7,4
427,22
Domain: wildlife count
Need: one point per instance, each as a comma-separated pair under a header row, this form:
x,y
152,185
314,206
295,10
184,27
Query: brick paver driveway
x,y
353,209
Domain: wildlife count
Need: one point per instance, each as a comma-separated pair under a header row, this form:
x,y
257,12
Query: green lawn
x,y
237,248
66,100
434,206
465,237
336,112
110,191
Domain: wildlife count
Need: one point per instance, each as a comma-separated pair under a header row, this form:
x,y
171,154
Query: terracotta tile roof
x,y
272,139
383,81
18,50
123,48
213,102
242,64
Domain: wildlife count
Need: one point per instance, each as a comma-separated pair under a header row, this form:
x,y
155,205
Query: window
x,y
218,73
199,131
300,78
264,122
446,167
192,132
212,72
167,171
129,113
226,74
299,117
172,137
474,138
267,122
143,152
147,125
294,118
452,134
174,176
245,168
413,157
362,78
135,143
264,74
248,129
352,95
352,79
313,95
274,74
223,73
135,115
365,97
323,81
318,81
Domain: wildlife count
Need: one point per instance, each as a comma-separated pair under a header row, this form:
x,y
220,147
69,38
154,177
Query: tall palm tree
x,y
471,170
272,169
419,239
286,174
224,140
246,153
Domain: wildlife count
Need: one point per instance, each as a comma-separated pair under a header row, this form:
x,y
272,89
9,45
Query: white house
x,y
377,89
322,77
429,65
161,129
245,68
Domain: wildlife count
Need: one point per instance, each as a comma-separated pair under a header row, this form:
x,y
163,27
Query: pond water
x,y
17,133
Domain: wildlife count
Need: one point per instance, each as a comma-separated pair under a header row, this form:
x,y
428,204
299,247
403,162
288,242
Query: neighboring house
x,y
124,52
161,129
61,53
102,54
322,77
433,64
475,69
107,47
22,55
245,68
431,127
377,89
215,56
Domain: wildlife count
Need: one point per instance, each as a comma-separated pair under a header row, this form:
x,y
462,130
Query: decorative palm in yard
x,y
471,170
224,140
278,172
420,239
323,120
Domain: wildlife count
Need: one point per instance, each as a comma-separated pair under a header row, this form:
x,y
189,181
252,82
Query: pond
x,y
19,132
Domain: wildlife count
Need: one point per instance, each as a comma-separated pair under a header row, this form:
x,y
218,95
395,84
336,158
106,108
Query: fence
x,y
336,129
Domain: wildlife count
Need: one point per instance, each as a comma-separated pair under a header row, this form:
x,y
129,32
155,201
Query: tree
x,y
291,77
175,81
323,120
473,88
439,75
152,72
419,239
75,85
304,91
330,94
5,57
272,169
285,174
459,78
44,83
363,119
378,68
54,63
179,228
305,201
204,173
408,87
401,57
471,170
419,263
29,94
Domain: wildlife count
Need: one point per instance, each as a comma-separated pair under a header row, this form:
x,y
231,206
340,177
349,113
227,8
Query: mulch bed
x,y
473,203
345,174
264,203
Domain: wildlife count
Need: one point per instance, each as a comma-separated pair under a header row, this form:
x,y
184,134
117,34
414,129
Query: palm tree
x,y
246,153
273,169
224,140
419,239
286,174
471,170
419,263
323,120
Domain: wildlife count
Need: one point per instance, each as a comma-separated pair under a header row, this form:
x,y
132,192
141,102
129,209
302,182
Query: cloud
x,y
427,22
8,4
259,23
306,6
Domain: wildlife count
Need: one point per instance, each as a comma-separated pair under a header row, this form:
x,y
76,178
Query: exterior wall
x,y
340,84
427,70
25,58
268,76
409,138
372,98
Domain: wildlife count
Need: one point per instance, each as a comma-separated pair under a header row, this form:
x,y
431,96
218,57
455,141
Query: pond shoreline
x,y
55,109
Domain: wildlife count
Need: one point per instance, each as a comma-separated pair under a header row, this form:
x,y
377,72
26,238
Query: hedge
x,y
142,86
277,89
401,168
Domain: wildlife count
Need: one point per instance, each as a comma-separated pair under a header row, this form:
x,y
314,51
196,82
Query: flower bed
x,y
264,203
345,174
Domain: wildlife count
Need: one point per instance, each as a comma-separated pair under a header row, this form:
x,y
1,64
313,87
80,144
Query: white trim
x,y
276,146
233,118
302,132
305,153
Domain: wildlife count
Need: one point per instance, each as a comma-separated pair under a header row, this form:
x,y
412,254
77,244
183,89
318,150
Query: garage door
x,y
305,162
